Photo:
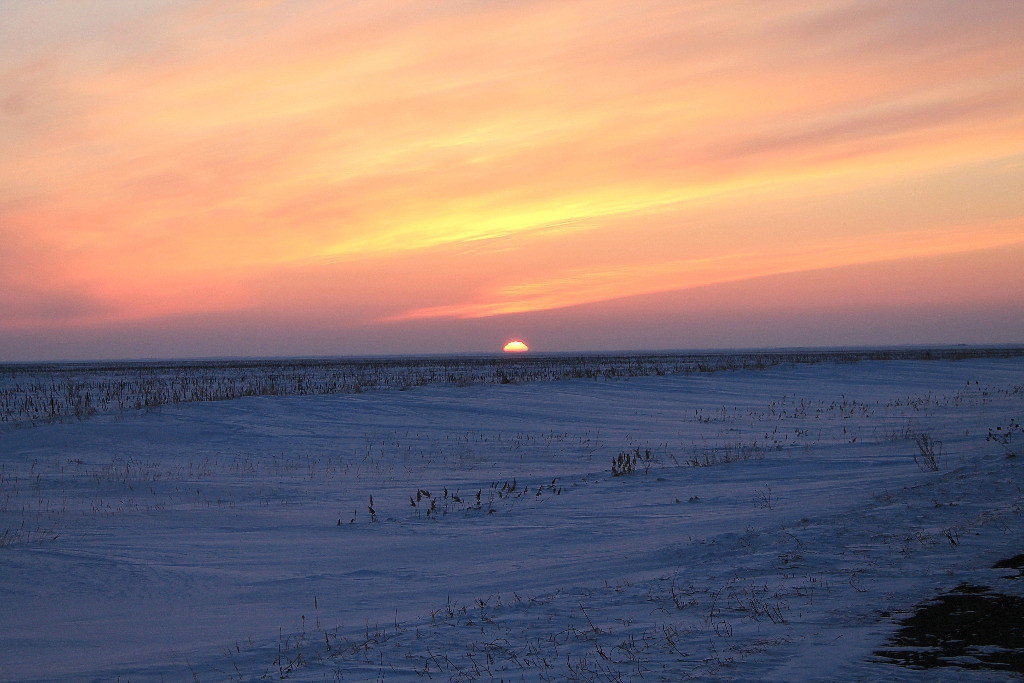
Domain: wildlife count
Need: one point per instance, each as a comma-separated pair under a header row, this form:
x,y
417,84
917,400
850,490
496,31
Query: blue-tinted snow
x,y
777,526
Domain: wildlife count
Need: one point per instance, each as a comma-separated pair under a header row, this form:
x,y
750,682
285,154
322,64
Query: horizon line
x,y
923,347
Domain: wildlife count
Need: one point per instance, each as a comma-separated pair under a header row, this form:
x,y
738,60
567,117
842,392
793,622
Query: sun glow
x,y
386,176
515,346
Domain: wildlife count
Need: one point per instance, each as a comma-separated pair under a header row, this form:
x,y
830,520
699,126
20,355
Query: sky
x,y
245,177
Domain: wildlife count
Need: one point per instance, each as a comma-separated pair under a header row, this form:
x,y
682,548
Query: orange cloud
x,y
411,159
581,286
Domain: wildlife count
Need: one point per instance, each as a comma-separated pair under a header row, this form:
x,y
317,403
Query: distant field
x,y
46,392
752,516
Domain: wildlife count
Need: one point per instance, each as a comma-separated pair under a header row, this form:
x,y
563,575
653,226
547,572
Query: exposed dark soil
x,y
970,627
1015,562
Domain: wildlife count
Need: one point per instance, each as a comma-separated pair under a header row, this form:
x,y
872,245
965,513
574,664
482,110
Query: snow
x,y
777,530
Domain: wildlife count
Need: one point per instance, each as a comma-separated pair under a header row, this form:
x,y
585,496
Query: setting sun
x,y
395,177
263,250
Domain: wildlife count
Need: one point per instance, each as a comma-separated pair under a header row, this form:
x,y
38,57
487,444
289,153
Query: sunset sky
x,y
233,177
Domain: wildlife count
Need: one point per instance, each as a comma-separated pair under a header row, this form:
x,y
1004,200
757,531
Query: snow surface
x,y
776,526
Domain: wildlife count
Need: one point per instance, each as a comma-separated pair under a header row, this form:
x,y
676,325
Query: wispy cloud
x,y
165,157
582,286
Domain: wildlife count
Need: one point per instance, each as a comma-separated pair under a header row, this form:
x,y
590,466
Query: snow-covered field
x,y
771,523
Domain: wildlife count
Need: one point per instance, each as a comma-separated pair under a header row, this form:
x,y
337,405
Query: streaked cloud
x,y
406,160
581,286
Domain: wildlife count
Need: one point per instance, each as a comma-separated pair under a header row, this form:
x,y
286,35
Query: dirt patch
x,y
970,627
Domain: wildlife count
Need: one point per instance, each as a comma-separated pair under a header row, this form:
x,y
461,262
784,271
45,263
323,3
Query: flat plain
x,y
764,516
